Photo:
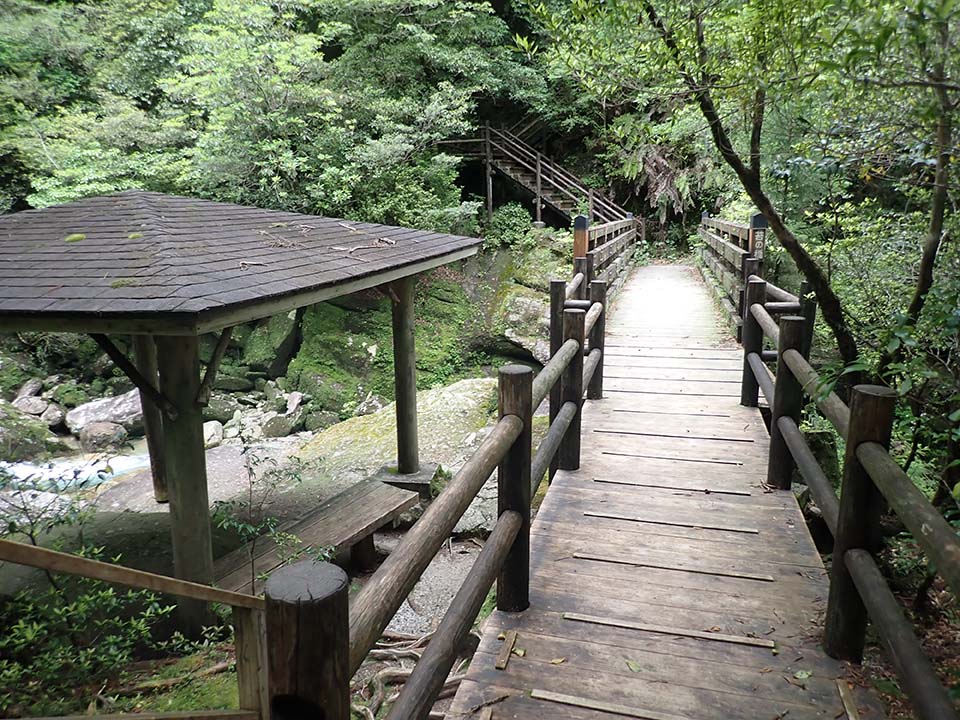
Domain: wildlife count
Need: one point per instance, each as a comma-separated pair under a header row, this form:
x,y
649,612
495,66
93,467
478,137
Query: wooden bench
x,y
345,521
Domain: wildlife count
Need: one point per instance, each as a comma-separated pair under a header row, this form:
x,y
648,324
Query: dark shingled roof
x,y
147,262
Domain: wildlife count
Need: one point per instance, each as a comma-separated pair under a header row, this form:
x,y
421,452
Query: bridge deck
x,y
666,581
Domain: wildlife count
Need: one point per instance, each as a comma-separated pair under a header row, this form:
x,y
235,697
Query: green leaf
x,y
634,666
74,237
802,674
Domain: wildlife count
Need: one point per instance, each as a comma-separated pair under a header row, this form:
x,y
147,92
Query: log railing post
x,y
558,290
808,309
749,265
580,241
858,522
488,171
250,648
787,402
513,487
571,390
308,642
145,357
598,294
580,266
752,339
405,375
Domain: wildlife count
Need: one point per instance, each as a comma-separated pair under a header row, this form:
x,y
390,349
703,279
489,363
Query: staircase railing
x,y
504,145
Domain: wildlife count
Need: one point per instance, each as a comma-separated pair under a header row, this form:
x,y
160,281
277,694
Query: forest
x,y
838,121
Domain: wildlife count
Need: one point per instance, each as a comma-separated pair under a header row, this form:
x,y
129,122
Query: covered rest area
x,y
165,270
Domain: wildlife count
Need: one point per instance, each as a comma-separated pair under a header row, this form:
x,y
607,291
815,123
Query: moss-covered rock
x,y
271,345
521,318
23,436
450,418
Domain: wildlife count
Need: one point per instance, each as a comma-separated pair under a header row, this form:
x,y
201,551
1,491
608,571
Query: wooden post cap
x,y
875,391
305,582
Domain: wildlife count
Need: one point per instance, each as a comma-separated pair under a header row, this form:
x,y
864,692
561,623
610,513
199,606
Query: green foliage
x,y
511,225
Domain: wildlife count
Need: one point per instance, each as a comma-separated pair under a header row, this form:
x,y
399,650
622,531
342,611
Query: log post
x,y
250,648
787,402
580,266
571,390
405,376
558,290
580,241
178,358
752,339
145,357
513,487
598,294
808,309
590,205
858,522
308,642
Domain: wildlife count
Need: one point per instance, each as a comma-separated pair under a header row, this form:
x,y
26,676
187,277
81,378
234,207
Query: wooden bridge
x,y
667,579
668,573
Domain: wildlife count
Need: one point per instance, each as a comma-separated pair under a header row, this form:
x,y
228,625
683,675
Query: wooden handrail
x,y
381,597
767,323
574,285
932,532
550,444
820,486
832,407
55,561
552,371
763,375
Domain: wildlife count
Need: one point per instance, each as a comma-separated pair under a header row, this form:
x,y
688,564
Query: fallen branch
x,y
150,686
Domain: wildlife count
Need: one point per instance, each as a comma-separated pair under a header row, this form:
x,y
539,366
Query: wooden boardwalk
x,y
667,582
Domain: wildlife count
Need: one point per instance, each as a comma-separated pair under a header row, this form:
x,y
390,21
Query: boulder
x,y
320,420
369,405
23,436
31,387
232,383
121,410
294,401
273,343
54,416
31,405
96,436
522,318
212,434
220,408
275,425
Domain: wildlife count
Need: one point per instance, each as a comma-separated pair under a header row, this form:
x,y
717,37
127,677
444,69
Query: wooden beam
x,y
145,355
131,371
405,377
210,376
179,363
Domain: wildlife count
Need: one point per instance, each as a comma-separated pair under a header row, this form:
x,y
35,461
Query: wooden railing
x,y
298,647
247,616
871,480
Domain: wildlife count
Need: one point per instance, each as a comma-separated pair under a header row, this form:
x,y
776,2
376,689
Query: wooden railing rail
x,y
871,479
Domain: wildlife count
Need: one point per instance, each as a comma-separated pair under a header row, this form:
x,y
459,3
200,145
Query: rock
x,y
31,405
294,401
522,318
32,506
23,436
273,343
212,434
282,425
220,408
98,435
31,387
369,405
54,416
320,420
350,451
122,410
231,383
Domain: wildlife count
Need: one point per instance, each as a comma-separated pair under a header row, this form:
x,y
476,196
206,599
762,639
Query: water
x,y
72,473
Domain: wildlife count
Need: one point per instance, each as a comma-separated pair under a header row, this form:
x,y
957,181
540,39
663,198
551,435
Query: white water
x,y
75,472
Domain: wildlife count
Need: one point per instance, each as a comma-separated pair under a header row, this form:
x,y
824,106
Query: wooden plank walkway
x,y
667,582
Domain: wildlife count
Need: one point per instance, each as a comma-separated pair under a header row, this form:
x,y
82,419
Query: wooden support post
x,y
598,294
308,642
250,648
488,171
787,402
588,275
513,487
590,215
571,390
808,308
178,358
858,524
580,239
405,376
539,187
749,265
145,357
558,289
752,339
580,267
